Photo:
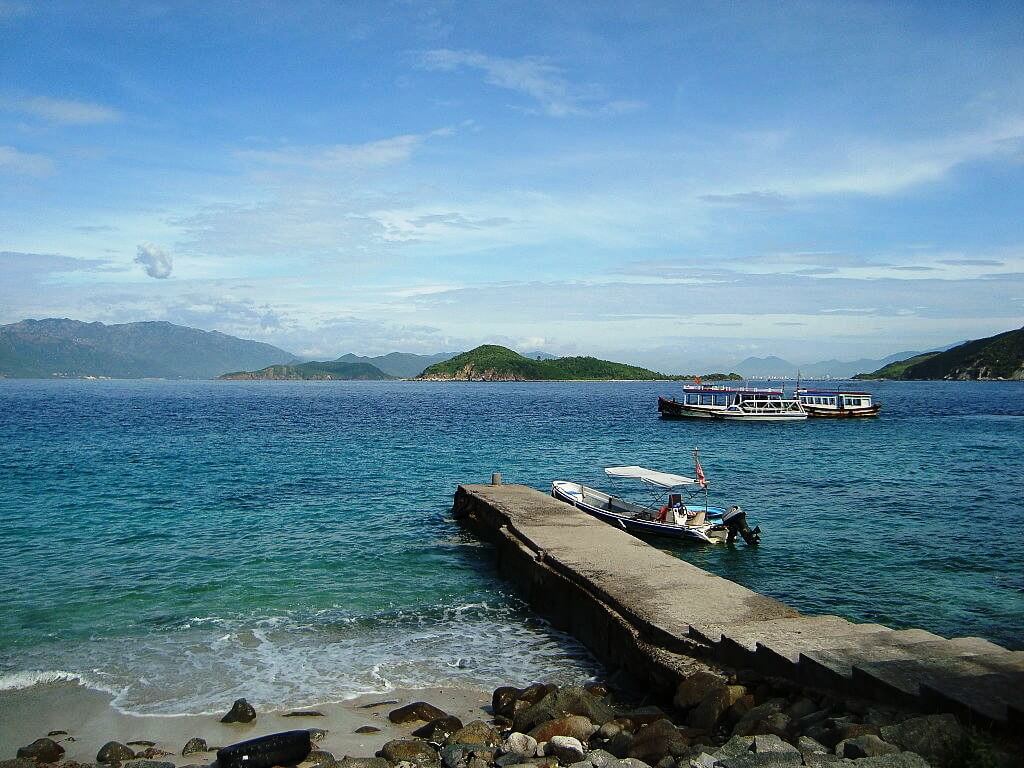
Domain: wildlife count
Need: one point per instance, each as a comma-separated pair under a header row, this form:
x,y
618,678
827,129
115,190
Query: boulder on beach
x,y
937,738
241,712
476,733
304,713
363,762
194,745
418,710
571,700
659,739
43,750
867,745
693,690
114,753
503,700
438,730
520,744
409,750
321,759
367,729
577,726
718,700
565,748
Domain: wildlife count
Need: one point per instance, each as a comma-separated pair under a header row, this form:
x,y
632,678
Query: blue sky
x,y
676,184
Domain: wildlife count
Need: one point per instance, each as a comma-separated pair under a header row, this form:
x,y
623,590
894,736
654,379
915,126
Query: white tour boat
x,y
710,401
834,404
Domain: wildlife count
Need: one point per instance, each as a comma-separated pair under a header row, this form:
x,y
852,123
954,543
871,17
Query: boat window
x,y
721,399
692,399
707,399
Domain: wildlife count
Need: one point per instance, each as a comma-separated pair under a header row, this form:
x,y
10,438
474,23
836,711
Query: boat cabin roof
x,y
832,392
713,389
650,476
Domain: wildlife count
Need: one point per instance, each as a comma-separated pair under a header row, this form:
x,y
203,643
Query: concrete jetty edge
x,y
658,618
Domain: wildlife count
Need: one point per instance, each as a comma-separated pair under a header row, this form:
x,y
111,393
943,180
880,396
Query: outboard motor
x,y
735,520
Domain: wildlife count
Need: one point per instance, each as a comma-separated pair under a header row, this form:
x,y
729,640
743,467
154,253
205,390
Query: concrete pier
x,y
652,614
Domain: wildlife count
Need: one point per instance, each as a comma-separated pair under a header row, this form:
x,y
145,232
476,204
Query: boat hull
x,y
671,409
561,491
842,413
740,415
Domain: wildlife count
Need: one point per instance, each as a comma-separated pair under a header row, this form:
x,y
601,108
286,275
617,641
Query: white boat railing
x,y
767,406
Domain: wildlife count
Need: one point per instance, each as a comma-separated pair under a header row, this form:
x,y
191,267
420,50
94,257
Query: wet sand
x,y
91,721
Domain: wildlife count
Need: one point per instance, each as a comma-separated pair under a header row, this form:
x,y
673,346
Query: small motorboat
x,y
667,514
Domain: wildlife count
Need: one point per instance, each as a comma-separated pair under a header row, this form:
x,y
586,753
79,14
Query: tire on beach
x,y
286,748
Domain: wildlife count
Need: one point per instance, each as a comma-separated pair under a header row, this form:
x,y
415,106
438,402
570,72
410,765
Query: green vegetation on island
x,y
996,357
331,370
491,362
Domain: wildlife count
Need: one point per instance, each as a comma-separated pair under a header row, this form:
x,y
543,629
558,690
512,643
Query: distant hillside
x,y
491,362
895,370
766,367
404,365
332,370
65,348
845,369
996,357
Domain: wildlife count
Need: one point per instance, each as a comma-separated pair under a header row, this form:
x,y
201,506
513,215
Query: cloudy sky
x,y
677,184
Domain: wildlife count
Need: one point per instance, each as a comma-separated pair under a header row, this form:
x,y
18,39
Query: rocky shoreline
x,y
718,719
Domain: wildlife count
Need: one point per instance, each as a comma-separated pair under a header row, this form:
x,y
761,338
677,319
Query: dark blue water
x,y
177,542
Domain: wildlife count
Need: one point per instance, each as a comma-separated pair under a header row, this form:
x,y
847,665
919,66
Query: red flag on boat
x,y
698,470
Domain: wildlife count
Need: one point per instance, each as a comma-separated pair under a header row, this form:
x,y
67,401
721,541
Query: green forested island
x,y
996,357
331,370
491,362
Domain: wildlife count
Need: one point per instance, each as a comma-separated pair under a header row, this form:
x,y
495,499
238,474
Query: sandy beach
x,y
89,719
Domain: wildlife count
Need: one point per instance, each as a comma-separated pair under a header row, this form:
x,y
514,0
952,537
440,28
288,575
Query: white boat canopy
x,y
652,476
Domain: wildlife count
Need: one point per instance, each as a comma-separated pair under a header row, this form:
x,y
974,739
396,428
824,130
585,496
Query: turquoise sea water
x,y
178,543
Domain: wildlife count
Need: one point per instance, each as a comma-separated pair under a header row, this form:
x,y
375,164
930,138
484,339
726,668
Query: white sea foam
x,y
14,681
310,658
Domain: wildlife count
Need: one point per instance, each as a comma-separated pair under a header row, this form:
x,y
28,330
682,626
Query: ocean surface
x,y
179,544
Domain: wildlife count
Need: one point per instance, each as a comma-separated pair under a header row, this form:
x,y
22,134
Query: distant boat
x,y
667,514
709,401
834,404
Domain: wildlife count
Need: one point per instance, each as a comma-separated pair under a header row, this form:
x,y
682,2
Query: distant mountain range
x,y
995,357
333,370
777,368
64,348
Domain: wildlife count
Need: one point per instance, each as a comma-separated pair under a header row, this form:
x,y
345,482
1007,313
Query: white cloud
x,y
66,111
155,260
534,77
390,151
15,161
883,169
